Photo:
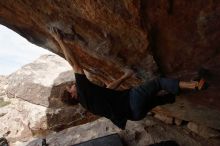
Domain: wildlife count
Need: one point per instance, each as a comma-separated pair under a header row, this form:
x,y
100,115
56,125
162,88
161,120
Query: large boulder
x,y
105,35
173,37
35,81
31,104
21,120
142,133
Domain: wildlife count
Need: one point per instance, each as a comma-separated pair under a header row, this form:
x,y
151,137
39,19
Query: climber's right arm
x,y
70,58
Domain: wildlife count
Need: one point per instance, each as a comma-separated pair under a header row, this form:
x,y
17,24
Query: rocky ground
x,y
142,133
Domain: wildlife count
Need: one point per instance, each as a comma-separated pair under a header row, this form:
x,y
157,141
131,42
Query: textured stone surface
x,y
164,118
178,122
185,34
203,131
34,107
34,81
142,133
109,140
106,32
3,85
176,37
42,82
185,37
74,135
192,111
20,119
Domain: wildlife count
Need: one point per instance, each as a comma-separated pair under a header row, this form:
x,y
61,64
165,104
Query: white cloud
x,y
16,51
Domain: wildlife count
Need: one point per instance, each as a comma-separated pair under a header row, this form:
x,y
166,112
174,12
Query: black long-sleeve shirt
x,y
109,103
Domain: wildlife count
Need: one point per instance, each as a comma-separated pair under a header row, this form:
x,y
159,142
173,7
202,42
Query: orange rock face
x,y
104,35
173,37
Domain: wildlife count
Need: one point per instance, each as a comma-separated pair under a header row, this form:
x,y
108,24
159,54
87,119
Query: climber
x,y
118,106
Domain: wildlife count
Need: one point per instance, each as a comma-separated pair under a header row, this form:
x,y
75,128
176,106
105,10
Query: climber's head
x,y
70,95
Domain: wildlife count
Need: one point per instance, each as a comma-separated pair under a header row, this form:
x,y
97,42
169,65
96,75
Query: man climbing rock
x,y
118,106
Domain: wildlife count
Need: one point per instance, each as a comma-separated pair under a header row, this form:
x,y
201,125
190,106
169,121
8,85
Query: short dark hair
x,y
67,98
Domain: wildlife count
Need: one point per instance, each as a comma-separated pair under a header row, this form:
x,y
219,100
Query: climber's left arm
x,y
115,84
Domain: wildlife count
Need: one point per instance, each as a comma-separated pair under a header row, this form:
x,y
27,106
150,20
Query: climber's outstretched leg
x,y
142,97
192,85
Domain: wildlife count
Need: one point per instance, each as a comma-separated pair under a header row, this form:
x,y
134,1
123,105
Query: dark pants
x,y
144,97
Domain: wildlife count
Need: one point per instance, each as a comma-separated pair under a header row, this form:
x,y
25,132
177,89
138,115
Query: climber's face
x,y
69,95
72,90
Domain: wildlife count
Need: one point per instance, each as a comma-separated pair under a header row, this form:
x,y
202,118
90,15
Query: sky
x,y
16,51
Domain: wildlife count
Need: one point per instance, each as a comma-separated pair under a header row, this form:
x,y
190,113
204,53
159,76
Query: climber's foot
x,y
201,77
201,84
